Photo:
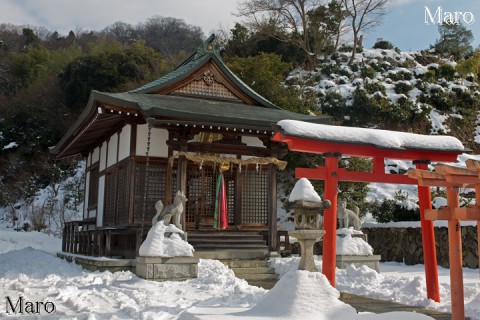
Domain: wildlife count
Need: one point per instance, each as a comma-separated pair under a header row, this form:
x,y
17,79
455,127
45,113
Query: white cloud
x,y
64,15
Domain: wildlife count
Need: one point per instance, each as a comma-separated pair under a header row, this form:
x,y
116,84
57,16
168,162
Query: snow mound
x,y
302,295
157,245
303,190
348,245
35,264
12,240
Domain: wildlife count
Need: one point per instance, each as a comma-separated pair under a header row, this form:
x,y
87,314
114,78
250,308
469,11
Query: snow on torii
x,y
382,139
335,141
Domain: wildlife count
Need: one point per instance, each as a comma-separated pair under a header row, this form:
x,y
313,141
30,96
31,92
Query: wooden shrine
x,y
175,133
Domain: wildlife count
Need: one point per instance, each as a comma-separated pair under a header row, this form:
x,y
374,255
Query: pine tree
x,y
455,40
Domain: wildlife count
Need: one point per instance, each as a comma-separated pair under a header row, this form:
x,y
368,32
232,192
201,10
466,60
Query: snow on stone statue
x,y
157,244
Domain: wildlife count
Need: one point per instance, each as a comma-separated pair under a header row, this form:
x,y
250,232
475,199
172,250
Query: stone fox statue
x,y
174,210
346,217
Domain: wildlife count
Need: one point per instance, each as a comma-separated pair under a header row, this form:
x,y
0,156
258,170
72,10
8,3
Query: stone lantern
x,y
308,214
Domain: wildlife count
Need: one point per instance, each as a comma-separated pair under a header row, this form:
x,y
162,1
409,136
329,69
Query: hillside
x,y
389,89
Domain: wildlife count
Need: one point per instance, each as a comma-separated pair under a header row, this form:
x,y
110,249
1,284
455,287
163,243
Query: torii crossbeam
x,y
335,141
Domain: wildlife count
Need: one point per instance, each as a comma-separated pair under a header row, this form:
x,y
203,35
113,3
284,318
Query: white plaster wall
x,y
87,188
124,142
95,155
112,150
251,142
101,200
158,145
103,156
92,213
88,160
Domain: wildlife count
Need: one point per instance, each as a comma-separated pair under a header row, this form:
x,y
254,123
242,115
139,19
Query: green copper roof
x,y
201,56
96,123
204,109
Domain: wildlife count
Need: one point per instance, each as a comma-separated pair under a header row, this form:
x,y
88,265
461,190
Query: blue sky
x,y
404,25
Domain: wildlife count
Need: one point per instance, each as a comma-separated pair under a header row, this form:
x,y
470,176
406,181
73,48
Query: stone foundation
x,y
99,263
373,261
405,245
163,269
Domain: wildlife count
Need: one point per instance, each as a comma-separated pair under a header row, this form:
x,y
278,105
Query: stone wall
x,y
405,245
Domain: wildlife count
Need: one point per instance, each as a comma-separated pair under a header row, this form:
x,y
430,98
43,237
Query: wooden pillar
x,y
132,174
182,179
455,253
477,204
329,262
167,199
65,238
168,183
237,219
101,243
108,243
428,239
272,208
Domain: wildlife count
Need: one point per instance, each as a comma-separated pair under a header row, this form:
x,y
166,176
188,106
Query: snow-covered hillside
x,y
408,85
48,208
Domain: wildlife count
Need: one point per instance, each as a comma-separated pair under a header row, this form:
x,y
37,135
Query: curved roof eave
x,y
86,117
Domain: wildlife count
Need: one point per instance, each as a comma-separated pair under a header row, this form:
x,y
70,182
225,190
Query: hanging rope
x,y
147,174
229,160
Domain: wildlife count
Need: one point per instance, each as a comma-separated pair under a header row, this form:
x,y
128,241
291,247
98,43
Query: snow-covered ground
x,y
29,269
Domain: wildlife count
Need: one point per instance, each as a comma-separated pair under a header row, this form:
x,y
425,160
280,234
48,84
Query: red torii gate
x,y
454,178
331,148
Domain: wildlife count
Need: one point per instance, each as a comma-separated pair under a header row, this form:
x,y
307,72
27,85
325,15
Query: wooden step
x,y
224,236
258,270
229,254
225,241
246,263
258,277
226,246
265,284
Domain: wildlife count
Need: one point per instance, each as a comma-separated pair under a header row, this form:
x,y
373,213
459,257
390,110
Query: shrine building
x,y
176,133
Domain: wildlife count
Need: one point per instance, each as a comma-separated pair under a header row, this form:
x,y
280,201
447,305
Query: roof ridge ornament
x,y
207,47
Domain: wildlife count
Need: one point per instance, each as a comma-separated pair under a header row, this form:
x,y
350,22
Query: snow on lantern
x,y
308,206
308,214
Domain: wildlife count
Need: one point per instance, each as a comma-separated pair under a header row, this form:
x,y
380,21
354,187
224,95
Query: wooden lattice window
x,y
122,195
110,198
116,196
200,87
93,187
154,180
254,195
200,191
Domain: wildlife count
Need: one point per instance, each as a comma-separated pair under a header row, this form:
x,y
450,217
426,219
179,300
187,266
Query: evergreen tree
x,y
455,40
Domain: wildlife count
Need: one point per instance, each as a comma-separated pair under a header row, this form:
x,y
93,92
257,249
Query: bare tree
x,y
286,20
363,15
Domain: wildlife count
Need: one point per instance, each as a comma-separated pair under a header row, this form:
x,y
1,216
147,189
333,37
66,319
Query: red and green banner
x,y
221,207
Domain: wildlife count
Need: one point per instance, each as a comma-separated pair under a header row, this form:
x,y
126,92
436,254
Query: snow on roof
x,y
383,139
303,190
